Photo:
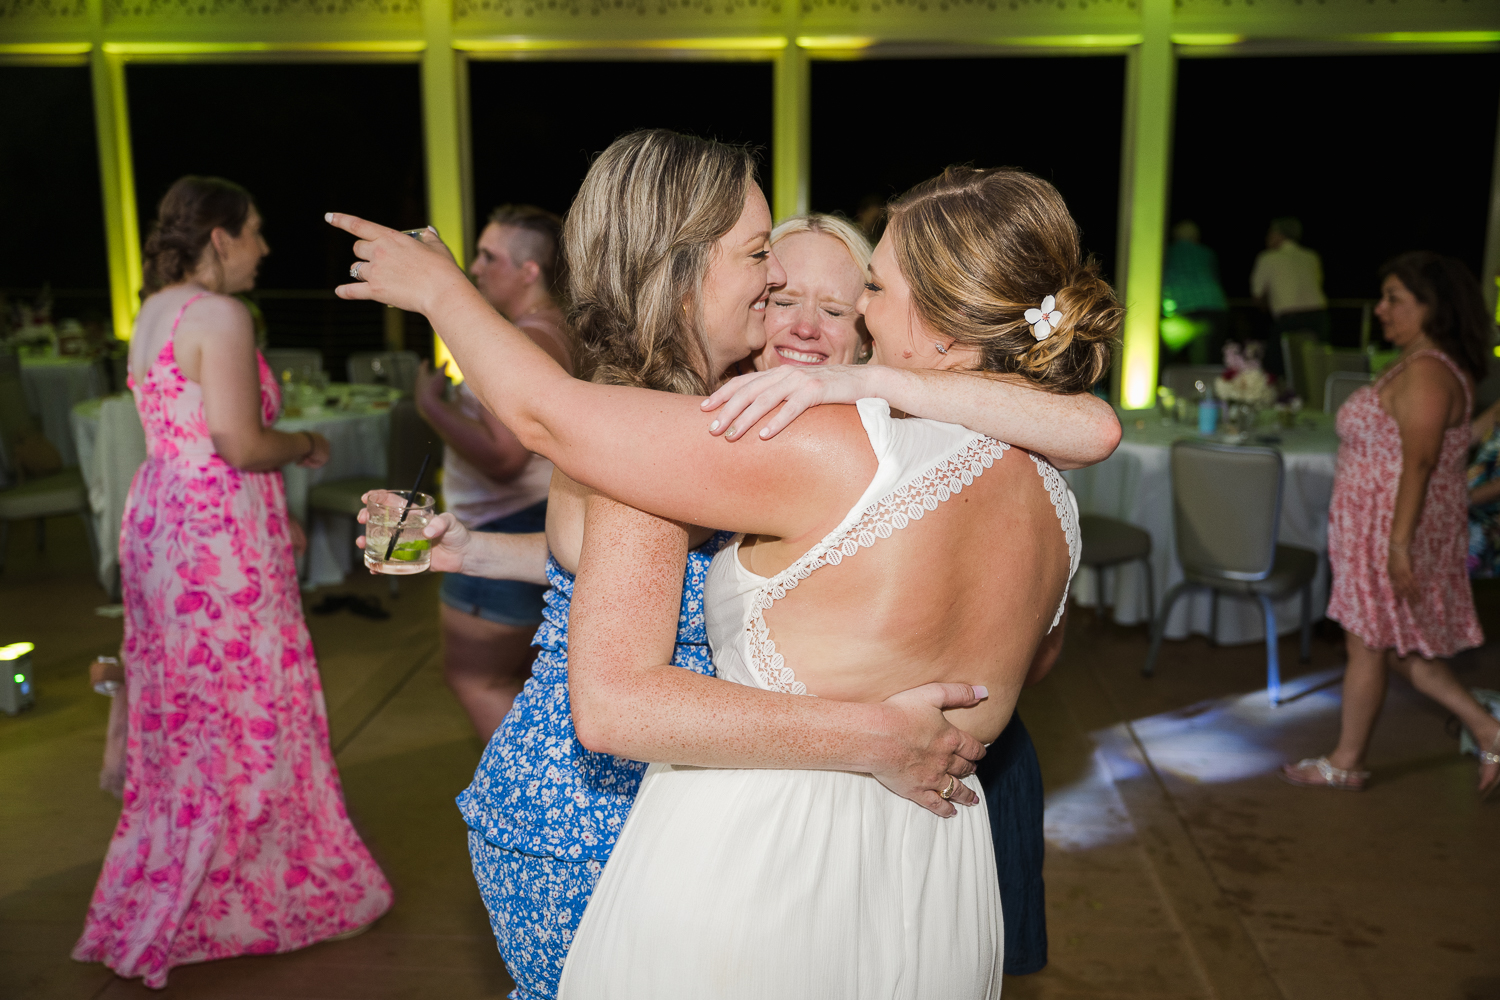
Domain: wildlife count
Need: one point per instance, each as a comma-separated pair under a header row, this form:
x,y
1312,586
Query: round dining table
x,y
356,420
1135,485
53,386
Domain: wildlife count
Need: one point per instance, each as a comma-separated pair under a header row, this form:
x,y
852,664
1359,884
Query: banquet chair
x,y
411,440
1340,386
1183,379
1226,504
397,369
1108,543
1321,361
302,363
35,496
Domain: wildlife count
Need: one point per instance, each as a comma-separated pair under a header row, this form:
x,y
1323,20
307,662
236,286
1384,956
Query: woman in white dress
x,y
870,892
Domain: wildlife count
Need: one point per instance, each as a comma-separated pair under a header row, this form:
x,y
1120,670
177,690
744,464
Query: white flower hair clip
x,y
1044,320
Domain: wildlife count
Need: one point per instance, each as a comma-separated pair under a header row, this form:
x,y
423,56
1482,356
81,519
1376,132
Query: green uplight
x,y
16,650
1179,331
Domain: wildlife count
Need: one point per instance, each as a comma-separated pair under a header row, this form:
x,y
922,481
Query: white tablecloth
x,y
111,447
1135,485
357,438
53,386
357,441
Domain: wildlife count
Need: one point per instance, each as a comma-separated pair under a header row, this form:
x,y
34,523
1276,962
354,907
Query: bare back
x,y
951,566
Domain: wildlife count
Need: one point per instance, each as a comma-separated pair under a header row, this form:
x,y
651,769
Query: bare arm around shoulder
x,y
647,449
1425,400
1071,431
629,700
216,349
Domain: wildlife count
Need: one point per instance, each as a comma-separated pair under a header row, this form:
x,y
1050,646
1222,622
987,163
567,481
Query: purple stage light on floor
x,y
17,689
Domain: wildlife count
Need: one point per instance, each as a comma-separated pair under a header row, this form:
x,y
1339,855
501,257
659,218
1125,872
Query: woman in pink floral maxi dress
x,y
1398,525
233,838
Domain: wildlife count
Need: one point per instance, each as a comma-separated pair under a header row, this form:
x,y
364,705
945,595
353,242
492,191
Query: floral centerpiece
x,y
1244,388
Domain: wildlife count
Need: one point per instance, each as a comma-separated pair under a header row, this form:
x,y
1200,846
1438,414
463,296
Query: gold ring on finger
x,y
947,793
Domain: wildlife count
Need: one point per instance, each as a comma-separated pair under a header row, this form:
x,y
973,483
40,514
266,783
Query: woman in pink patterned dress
x,y
233,838
1398,527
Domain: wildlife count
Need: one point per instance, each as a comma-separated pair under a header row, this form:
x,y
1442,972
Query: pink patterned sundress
x,y
1359,532
233,838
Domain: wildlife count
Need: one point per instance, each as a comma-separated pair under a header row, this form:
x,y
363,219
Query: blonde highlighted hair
x,y
842,230
638,241
979,248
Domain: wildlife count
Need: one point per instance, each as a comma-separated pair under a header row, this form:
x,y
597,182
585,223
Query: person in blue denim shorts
x,y
490,482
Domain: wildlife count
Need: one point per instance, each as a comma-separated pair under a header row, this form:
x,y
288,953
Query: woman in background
x,y
233,838
1398,526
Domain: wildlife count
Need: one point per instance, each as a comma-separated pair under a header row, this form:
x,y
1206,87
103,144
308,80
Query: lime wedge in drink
x,y
411,551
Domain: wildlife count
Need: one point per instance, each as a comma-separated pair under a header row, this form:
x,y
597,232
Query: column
x,y
1146,158
791,131
122,232
445,135
1489,280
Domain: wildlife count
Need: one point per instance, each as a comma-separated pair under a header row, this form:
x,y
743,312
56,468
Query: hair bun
x,y
980,248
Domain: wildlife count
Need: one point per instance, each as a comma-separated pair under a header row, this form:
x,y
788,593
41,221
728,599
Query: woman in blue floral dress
x,y
544,811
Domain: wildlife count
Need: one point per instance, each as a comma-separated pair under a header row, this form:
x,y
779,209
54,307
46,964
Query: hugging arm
x,y
645,448
629,700
1072,431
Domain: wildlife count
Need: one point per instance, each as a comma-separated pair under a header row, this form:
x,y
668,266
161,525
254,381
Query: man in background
x,y
1288,281
490,482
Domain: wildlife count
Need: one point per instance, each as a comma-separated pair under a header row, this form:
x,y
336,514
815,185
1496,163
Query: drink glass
x,y
412,553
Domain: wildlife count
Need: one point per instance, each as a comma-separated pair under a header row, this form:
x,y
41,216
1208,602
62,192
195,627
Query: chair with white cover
x,y
1226,504
397,369
34,496
1340,386
302,363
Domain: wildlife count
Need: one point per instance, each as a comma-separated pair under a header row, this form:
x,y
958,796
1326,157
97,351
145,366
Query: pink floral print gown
x,y
1359,532
233,838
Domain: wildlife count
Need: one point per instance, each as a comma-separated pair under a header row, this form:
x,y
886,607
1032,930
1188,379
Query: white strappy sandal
x,y
1328,776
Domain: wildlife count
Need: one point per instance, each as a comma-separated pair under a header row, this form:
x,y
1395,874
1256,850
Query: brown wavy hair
x,y
979,248
638,241
189,212
1456,319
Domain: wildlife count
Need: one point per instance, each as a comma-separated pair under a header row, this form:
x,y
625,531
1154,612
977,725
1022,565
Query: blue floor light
x,y
17,689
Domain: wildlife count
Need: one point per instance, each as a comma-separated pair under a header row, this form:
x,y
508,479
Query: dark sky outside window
x,y
538,125
50,194
1375,154
880,126
305,139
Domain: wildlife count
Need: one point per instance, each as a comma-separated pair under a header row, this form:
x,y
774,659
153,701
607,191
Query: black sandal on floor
x,y
368,607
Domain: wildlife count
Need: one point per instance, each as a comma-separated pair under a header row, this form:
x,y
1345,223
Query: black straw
x,y
390,548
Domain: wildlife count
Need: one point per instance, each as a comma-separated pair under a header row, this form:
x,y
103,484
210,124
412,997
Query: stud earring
x,y
940,348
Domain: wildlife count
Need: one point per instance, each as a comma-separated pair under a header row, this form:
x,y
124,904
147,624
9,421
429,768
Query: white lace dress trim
x,y
1062,502
898,508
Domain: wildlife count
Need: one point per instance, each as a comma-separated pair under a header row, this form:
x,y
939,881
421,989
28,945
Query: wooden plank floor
x,y
1177,865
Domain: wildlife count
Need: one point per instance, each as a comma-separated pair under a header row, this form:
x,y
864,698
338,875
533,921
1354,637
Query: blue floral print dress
x,y
543,812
